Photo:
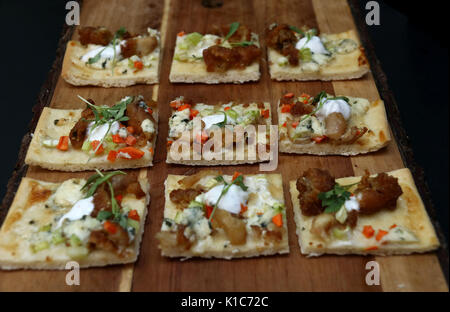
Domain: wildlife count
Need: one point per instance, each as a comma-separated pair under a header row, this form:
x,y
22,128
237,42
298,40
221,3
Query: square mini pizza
x,y
97,137
101,58
229,53
303,54
195,126
379,214
96,221
212,215
324,124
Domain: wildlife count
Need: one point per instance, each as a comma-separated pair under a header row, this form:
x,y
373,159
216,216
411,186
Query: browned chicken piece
x,y
283,39
183,241
78,132
220,59
95,35
243,33
377,193
100,239
350,137
233,226
102,200
138,46
183,197
127,184
335,126
312,182
300,109
137,113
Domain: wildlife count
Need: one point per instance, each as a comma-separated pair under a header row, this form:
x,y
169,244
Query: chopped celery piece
x,y
195,204
86,146
341,234
57,238
74,240
40,246
232,113
193,39
45,228
341,215
278,207
77,252
133,223
178,217
305,55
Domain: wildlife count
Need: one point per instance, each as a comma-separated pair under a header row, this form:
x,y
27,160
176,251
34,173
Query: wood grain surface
x,y
292,272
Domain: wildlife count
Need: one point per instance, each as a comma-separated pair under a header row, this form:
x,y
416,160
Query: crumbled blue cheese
x,y
82,228
68,193
399,235
179,122
148,126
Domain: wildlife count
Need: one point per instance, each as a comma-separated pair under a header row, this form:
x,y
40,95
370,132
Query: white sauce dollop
x,y
212,120
351,204
314,44
98,133
83,207
107,53
231,201
334,106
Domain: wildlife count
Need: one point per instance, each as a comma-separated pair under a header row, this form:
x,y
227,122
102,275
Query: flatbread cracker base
x,y
15,253
79,75
410,212
345,66
196,73
378,137
216,249
73,160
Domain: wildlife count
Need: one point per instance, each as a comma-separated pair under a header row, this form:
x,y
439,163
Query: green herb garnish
x,y
305,54
297,30
94,182
105,114
333,200
95,59
233,27
223,123
242,44
119,34
239,181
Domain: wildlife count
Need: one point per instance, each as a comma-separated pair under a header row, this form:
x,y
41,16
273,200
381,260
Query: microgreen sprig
x,y
239,181
333,200
109,115
233,27
94,181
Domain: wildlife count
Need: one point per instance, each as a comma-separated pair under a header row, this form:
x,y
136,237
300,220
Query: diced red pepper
x,y
63,144
138,65
117,139
286,108
235,175
112,155
181,34
289,95
243,208
265,113
368,231
119,198
133,152
295,124
133,214
209,210
130,129
380,234
184,106
97,147
130,140
110,227
319,139
149,110
193,113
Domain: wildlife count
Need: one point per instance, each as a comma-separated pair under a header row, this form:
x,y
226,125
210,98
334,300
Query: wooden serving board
x,y
292,272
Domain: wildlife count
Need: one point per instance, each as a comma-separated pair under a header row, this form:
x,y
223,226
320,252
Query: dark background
x,y
410,43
